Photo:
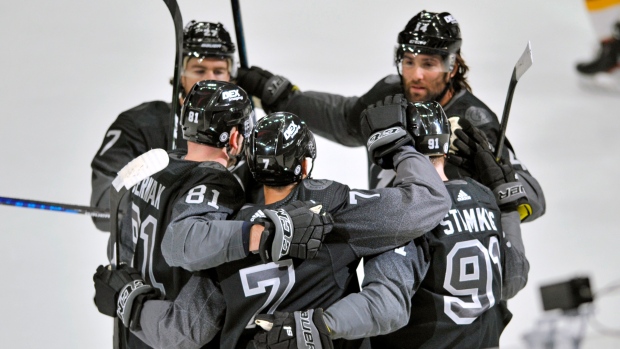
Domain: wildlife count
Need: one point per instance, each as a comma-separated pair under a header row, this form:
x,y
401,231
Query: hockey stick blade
x,y
140,168
175,12
55,207
523,64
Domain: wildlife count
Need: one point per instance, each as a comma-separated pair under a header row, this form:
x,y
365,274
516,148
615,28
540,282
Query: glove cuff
x,y
126,298
509,192
283,234
275,87
311,329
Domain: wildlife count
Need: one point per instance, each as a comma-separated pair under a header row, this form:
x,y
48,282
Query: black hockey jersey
x,y
362,226
458,304
183,188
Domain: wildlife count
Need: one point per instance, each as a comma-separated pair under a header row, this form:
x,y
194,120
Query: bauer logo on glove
x,y
393,133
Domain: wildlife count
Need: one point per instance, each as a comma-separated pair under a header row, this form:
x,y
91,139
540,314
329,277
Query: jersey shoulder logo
x,y
463,196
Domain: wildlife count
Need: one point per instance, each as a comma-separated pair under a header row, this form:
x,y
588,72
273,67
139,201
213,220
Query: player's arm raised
x,y
381,219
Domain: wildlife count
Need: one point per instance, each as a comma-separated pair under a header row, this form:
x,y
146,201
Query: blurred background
x,y
69,67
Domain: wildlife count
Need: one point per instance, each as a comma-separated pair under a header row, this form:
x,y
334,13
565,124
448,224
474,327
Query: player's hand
x,y
475,153
122,292
281,330
296,230
270,88
384,124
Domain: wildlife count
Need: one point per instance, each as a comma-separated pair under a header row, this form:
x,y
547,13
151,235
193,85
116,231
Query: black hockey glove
x,y
301,329
122,292
296,230
270,88
384,124
475,153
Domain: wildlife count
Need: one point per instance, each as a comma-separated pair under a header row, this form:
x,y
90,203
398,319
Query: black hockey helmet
x,y
430,33
430,128
211,108
206,39
277,147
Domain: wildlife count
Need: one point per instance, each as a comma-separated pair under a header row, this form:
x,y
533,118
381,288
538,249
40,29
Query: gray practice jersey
x,y
337,118
417,203
371,218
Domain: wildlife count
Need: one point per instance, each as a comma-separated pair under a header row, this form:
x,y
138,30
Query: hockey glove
x,y
385,125
270,88
296,230
301,329
122,292
475,153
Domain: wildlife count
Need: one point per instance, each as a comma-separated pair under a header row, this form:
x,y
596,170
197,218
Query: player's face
x,y
424,76
208,68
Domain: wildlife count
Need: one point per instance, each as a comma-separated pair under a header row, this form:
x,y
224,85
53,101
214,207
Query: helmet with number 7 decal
x,y
430,128
210,110
277,148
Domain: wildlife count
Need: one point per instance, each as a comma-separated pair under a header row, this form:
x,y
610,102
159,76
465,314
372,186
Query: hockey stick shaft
x,y
243,58
55,207
523,64
135,171
175,12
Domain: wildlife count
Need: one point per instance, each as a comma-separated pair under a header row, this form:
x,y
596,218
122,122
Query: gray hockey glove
x,y
122,292
301,329
385,125
268,87
475,154
296,230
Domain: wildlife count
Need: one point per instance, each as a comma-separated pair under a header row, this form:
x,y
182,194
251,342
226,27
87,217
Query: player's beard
x,y
425,91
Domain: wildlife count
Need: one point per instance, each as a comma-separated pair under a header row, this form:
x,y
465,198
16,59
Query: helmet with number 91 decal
x,y
432,34
277,148
430,128
206,39
210,110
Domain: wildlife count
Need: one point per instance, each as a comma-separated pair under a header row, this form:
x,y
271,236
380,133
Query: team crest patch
x,y
224,137
477,116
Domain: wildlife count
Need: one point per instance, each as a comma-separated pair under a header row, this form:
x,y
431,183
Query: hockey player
x,y
365,222
215,119
476,262
208,53
430,67
605,16
194,191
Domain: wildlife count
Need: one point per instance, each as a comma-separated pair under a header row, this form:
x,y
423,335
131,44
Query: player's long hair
x,y
459,82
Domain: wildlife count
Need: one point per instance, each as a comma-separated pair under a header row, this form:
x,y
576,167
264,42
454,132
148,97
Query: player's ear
x,y
454,70
236,141
306,167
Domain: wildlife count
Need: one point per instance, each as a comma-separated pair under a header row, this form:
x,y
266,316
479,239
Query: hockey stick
x,y
243,58
175,12
135,171
523,64
56,207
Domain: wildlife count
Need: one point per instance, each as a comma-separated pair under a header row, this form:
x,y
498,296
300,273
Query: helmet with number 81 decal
x,y
430,128
432,34
211,109
277,148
